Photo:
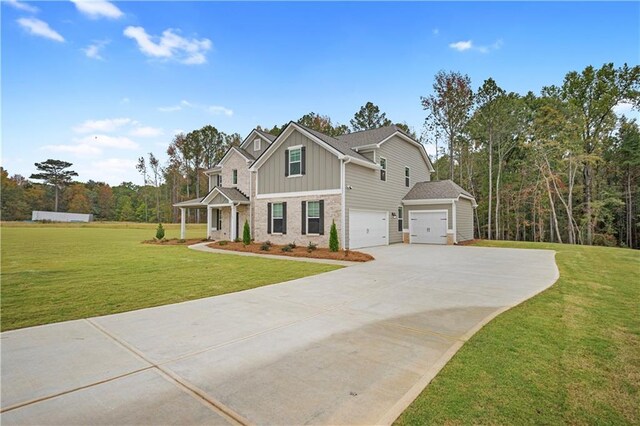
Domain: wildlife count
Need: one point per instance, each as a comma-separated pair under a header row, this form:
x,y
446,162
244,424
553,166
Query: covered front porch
x,y
227,209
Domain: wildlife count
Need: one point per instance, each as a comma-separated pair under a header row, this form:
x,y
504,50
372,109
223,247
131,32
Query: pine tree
x,y
246,234
334,244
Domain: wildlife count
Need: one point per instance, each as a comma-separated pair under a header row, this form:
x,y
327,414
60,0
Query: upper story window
x,y
383,169
234,176
256,144
295,161
219,180
406,177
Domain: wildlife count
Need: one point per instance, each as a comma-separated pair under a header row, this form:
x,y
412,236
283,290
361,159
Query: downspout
x,y
343,184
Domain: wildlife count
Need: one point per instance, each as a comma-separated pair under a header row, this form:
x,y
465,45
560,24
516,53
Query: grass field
x,y
59,272
570,355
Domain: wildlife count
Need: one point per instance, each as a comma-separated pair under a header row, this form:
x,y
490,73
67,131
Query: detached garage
x,y
438,212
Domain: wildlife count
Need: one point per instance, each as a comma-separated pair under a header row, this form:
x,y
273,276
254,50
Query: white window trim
x,y
401,217
407,169
273,218
386,169
257,144
307,216
294,148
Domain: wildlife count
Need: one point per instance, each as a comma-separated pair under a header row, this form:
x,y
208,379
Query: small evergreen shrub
x,y
182,241
286,248
334,245
246,234
268,243
265,247
311,247
292,245
223,243
159,232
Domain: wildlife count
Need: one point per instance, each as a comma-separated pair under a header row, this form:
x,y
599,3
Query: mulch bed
x,y
174,242
469,242
299,251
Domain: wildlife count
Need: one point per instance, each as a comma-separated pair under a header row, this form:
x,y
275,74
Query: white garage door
x,y
367,228
428,227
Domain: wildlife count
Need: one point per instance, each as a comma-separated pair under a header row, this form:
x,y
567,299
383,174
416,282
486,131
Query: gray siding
x,y
446,207
464,220
370,193
322,169
219,199
248,146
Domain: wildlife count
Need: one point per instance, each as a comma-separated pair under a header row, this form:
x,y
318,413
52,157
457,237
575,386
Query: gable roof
x,y
437,190
336,144
267,135
231,194
367,137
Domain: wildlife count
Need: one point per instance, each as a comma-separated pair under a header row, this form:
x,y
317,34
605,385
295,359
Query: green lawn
x,y
60,272
570,355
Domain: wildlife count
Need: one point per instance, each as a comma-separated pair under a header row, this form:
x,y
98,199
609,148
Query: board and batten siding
x,y
429,207
248,146
464,220
368,192
322,171
219,199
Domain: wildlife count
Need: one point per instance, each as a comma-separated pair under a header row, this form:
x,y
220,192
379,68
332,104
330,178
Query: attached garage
x,y
428,227
368,228
438,212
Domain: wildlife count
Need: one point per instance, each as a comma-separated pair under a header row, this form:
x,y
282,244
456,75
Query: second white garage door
x,y
428,227
368,228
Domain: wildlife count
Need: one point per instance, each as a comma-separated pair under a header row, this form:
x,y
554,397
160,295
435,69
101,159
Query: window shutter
x,y
321,217
268,218
284,218
303,161
217,218
304,218
286,162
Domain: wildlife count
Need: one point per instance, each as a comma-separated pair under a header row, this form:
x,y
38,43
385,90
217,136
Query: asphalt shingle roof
x,y
266,135
434,190
246,153
367,137
336,144
233,194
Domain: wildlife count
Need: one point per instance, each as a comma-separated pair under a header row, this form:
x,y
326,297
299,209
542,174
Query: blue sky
x,y
100,84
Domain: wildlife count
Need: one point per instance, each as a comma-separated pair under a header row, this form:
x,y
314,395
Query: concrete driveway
x,y
353,346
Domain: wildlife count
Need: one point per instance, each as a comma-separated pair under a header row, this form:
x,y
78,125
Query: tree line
x,y
558,166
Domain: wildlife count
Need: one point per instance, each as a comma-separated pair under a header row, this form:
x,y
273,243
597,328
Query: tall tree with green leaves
x,y
593,94
449,107
369,117
53,172
487,116
323,124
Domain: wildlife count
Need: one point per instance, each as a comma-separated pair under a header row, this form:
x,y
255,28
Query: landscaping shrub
x,y
265,246
268,243
286,248
223,243
159,232
334,245
311,247
292,245
182,241
246,234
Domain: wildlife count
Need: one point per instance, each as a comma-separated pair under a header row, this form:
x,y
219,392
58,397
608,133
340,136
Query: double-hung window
x,y
295,162
256,144
383,169
234,176
406,177
400,219
277,218
218,180
313,217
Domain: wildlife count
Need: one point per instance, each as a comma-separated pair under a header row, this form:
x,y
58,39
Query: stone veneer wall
x,y
332,211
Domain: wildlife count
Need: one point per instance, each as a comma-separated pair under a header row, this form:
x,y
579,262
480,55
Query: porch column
x,y
233,222
209,221
183,223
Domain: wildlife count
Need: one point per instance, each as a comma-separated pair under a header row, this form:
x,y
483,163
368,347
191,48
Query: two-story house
x,y
375,185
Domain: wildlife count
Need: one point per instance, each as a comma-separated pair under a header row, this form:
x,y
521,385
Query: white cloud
x,y
146,132
170,46
211,109
22,6
111,170
106,141
39,28
216,109
95,9
461,46
93,50
107,125
81,150
115,164
435,31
